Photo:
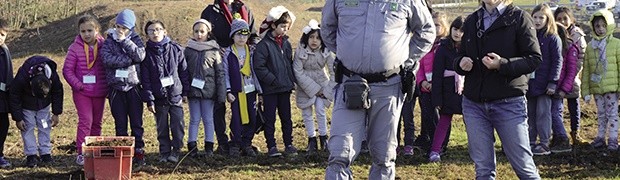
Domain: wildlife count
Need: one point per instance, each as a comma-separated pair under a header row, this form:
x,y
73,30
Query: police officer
x,y
372,40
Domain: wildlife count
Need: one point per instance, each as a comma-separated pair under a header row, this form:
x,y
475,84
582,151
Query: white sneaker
x,y
79,160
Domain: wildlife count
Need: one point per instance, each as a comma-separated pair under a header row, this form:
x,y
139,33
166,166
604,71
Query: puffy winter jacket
x,y
548,73
594,65
206,65
164,59
125,55
273,65
312,77
570,68
21,94
426,67
76,67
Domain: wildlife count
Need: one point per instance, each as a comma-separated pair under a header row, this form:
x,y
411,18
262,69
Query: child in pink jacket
x,y
84,72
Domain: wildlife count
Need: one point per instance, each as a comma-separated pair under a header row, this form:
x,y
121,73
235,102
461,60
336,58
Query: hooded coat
x,y
593,65
22,96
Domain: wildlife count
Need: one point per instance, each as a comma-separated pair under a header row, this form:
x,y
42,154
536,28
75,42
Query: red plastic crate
x,y
107,162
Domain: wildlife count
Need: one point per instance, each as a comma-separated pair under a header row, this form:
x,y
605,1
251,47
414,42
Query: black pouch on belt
x,y
356,92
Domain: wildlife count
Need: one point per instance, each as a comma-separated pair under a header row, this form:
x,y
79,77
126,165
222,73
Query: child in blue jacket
x,y
166,84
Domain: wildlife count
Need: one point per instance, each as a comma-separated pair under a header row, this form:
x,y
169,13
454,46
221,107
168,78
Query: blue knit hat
x,y
126,18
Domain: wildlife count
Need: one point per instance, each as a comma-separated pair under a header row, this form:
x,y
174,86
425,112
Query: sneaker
x,y
32,161
612,145
234,151
173,157
598,143
79,160
364,149
138,158
163,159
249,151
47,158
273,152
408,150
222,149
561,146
541,150
4,163
434,157
290,150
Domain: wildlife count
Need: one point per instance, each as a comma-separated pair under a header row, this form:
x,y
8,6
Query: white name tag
x,y
249,88
2,87
44,123
89,79
429,77
122,73
198,83
166,81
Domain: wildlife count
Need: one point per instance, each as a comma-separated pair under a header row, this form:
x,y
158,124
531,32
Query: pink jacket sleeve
x,y
68,70
570,65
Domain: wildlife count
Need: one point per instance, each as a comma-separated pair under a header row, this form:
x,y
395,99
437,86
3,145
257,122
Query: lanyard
x,y
88,62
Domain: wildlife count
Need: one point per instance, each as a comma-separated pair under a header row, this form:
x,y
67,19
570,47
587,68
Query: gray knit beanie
x,y
239,25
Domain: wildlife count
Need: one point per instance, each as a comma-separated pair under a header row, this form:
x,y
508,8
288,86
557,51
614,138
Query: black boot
x,y
192,148
323,142
312,146
208,149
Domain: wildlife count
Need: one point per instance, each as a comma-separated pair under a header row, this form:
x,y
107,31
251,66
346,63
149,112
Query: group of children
x,y
164,75
564,50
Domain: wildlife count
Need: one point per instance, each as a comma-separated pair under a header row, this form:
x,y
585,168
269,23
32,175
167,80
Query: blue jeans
x,y
200,110
557,125
539,113
508,117
407,122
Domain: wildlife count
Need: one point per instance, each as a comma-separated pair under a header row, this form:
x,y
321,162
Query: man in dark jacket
x,y
499,49
220,14
35,87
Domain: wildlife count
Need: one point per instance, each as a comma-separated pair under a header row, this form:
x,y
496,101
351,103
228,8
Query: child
x,y
543,81
35,87
600,77
570,52
273,61
6,66
122,53
166,83
564,16
207,84
447,86
423,80
315,86
241,87
83,70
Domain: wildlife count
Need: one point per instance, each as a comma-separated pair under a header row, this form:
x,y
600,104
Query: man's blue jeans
x,y
509,118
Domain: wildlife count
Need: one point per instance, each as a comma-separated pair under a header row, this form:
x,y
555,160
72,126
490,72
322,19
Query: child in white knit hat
x,y
207,84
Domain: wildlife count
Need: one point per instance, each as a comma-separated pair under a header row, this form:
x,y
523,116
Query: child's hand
x,y
587,99
426,86
185,99
54,120
466,64
562,94
550,91
21,125
230,97
259,99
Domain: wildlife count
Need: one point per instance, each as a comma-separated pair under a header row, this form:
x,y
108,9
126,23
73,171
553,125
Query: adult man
x,y
371,40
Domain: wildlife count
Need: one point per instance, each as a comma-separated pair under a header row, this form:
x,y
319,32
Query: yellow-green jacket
x,y
593,66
